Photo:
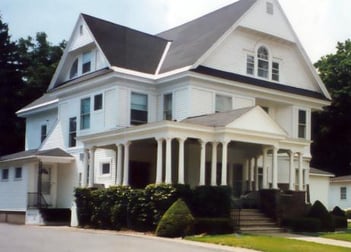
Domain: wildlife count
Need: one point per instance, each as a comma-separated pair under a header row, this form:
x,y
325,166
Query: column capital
x,y
202,142
181,139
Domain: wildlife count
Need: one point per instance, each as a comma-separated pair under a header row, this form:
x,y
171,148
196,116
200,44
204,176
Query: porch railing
x,y
36,200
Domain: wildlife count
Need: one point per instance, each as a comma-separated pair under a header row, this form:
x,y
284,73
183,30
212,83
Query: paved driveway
x,y
15,238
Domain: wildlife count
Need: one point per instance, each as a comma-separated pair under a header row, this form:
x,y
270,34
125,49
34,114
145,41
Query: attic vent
x,y
81,29
269,8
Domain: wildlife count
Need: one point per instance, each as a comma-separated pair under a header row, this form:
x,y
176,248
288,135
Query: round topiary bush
x,y
337,211
319,211
176,222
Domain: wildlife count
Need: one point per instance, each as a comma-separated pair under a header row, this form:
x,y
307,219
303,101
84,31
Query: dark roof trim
x,y
258,82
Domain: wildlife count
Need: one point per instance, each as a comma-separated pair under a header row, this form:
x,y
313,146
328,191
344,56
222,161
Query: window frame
x,y
73,72
85,114
137,110
275,71
3,172
343,193
250,64
87,58
43,132
302,124
221,96
168,106
16,173
98,100
72,133
263,62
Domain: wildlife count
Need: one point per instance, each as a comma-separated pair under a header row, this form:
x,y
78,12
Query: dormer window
x,y
262,62
86,62
74,69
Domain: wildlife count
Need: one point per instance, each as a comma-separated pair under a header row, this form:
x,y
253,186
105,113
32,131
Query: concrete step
x,y
260,229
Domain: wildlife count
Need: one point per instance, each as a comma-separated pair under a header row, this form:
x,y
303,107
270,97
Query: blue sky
x,y
318,23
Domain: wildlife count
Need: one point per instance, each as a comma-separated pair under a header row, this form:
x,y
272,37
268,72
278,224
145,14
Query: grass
x,y
342,236
266,243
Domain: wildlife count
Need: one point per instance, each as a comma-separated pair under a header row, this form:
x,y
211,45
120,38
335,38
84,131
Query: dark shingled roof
x,y
125,47
258,82
57,152
191,40
218,119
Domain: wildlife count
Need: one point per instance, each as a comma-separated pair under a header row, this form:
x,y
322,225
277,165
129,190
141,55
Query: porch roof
x,y
341,179
51,155
317,172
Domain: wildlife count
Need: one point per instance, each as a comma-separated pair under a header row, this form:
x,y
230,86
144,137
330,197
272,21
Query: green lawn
x,y
266,243
342,236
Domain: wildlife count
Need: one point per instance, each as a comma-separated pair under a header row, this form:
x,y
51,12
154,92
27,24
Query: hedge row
x,y
318,219
142,209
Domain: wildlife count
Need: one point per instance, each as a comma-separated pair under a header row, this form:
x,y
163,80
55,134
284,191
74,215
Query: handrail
x,y
36,200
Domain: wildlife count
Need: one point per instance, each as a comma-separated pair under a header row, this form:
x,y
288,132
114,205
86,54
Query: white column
x,y
251,174
300,171
181,161
214,164
119,164
85,168
265,169
256,173
307,177
202,162
91,167
275,169
291,171
126,164
224,163
246,176
159,161
168,161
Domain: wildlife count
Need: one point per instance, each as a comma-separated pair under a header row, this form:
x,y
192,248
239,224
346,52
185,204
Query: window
x,y
302,124
85,113
18,172
223,103
86,62
343,193
275,71
138,109
43,132
269,8
167,107
105,168
72,133
74,69
97,102
5,174
263,66
250,64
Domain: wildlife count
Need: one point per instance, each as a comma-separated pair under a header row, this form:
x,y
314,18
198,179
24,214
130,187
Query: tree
x,y
331,149
39,59
11,128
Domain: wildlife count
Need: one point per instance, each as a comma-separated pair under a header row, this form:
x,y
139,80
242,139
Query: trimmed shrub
x,y
303,224
340,222
84,205
319,211
213,226
337,211
348,214
139,211
211,201
176,222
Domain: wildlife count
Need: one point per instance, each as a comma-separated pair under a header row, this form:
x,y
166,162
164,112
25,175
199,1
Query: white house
x,y
225,99
339,194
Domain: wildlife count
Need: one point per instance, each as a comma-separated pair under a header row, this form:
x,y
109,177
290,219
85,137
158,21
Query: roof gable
x,y
253,119
191,40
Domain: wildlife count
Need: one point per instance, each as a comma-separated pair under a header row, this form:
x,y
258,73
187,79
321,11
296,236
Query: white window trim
x,y
79,57
8,175
20,178
101,163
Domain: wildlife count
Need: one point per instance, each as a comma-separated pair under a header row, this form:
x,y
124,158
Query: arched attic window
x,y
262,62
74,69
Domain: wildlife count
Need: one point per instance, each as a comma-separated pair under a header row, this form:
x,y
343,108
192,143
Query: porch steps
x,y
254,221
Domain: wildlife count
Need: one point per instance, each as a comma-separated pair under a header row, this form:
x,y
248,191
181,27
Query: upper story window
x,y
269,8
5,174
97,102
250,64
74,69
223,103
85,113
18,173
43,132
167,107
86,62
262,62
343,193
302,124
139,109
275,71
72,132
